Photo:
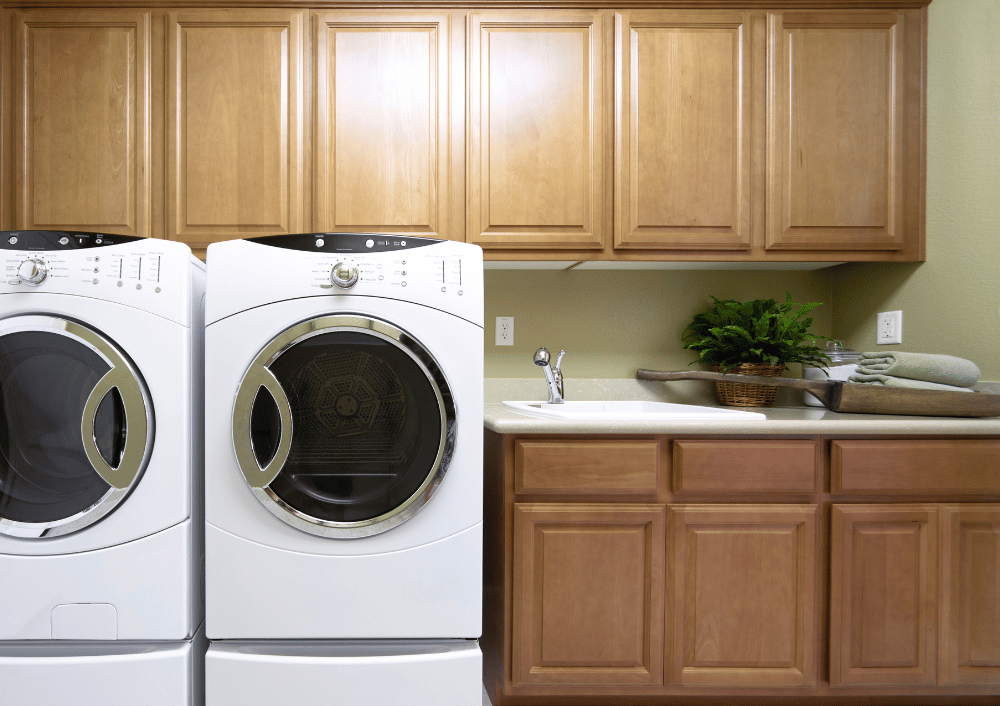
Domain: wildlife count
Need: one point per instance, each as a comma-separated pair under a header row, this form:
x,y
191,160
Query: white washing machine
x,y
101,525
344,460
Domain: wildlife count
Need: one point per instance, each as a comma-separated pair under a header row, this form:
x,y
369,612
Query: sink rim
x,y
685,412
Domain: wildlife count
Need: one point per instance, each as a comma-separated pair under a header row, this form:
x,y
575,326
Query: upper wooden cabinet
x,y
683,130
837,110
81,107
537,140
762,133
387,144
235,124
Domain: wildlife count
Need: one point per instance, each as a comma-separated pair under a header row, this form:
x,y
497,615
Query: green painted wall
x,y
614,322
951,302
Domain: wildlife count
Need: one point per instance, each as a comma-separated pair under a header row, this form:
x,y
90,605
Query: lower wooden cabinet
x,y
883,599
588,594
648,569
744,598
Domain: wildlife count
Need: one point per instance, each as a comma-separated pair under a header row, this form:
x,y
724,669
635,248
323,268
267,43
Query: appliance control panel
x,y
443,274
141,272
400,270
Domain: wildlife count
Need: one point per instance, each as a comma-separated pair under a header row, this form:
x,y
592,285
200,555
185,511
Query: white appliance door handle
x,y
259,378
136,426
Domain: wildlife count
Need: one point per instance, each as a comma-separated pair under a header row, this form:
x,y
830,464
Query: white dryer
x,y
100,454
344,460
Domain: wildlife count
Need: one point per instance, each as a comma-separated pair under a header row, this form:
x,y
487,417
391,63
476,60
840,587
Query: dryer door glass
x,y
62,405
367,426
371,423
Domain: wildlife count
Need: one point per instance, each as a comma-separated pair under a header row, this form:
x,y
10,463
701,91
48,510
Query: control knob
x,y
345,274
32,271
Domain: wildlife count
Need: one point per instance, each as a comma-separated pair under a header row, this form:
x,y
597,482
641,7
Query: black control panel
x,y
59,240
343,242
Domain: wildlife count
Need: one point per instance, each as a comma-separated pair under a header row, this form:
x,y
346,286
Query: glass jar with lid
x,y
843,363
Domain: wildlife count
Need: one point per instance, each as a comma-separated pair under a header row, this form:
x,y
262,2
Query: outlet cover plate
x,y
890,328
505,331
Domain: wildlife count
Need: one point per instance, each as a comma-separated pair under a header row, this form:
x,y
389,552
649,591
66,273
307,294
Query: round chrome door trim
x,y
259,479
138,420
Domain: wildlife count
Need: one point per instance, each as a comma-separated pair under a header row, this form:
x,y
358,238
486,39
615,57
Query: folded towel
x,y
929,367
893,381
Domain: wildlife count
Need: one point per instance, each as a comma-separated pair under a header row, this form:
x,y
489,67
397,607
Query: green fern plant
x,y
757,331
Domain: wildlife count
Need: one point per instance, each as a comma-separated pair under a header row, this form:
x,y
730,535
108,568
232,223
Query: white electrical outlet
x,y
890,328
505,331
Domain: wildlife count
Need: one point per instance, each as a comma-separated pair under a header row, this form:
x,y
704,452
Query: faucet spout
x,y
553,375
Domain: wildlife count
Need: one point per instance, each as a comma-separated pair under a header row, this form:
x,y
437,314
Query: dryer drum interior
x,y
371,419
69,402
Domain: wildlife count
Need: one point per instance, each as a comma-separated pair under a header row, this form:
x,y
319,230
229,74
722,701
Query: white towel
x,y
929,367
893,381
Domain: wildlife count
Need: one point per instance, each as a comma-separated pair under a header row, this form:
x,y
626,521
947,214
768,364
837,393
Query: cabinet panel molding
x,y
684,95
884,597
970,594
537,143
914,467
762,466
588,583
836,139
384,155
745,598
235,124
81,128
592,466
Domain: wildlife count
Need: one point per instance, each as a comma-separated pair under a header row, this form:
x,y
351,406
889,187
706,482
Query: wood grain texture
x,y
914,467
884,594
969,648
461,4
383,123
235,124
82,120
836,143
537,99
762,466
588,583
582,467
745,595
683,93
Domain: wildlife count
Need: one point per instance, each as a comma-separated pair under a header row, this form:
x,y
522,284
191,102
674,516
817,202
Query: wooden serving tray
x,y
859,398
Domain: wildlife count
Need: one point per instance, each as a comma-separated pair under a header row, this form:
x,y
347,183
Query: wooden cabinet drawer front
x,y
915,467
588,467
775,466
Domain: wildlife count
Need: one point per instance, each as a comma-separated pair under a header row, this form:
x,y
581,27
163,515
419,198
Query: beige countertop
x,y
780,421
789,418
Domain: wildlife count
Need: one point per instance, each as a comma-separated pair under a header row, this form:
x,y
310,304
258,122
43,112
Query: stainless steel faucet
x,y
553,374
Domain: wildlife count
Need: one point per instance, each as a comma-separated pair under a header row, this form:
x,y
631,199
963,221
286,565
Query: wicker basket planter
x,y
736,394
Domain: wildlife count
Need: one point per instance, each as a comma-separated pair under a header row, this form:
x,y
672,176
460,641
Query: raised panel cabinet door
x,y
745,595
234,126
384,149
682,129
883,594
537,143
588,594
81,105
970,594
836,121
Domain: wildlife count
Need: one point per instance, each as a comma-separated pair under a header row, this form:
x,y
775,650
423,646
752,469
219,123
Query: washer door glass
x,y
367,419
69,427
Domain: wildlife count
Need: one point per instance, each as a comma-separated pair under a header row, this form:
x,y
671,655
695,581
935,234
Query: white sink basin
x,y
636,410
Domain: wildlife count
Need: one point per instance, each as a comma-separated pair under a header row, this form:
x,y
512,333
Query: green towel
x,y
893,381
928,367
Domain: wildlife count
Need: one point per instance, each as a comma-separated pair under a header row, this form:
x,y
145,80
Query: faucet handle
x,y
559,359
